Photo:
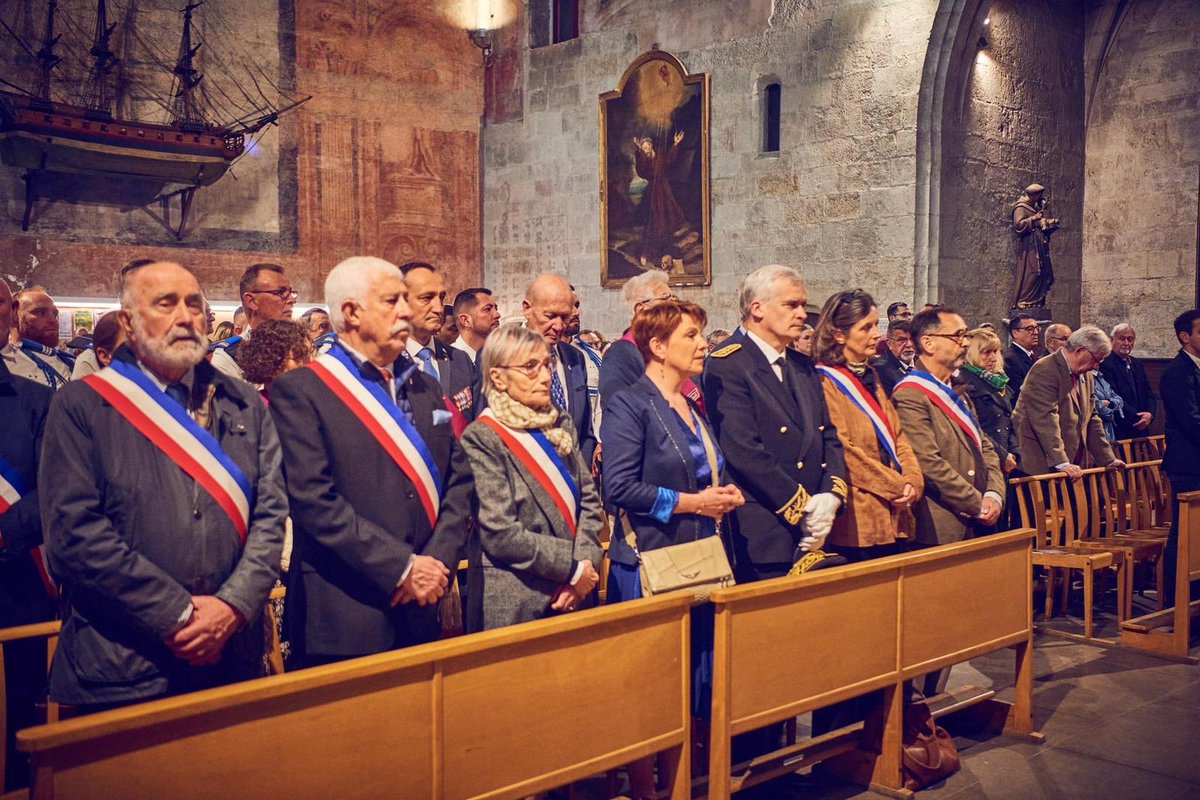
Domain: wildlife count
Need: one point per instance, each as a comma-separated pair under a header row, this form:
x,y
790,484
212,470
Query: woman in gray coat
x,y
537,552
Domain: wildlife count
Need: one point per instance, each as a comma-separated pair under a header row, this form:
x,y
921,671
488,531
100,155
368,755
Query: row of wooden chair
x,y
1106,520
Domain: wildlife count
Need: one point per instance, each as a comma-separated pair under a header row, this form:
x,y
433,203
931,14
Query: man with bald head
x,y
163,506
1056,337
548,306
380,490
32,350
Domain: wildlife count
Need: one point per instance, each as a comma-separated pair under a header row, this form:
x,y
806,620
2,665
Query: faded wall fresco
x,y
384,160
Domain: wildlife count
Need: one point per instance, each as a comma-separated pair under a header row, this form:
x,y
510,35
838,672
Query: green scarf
x,y
997,380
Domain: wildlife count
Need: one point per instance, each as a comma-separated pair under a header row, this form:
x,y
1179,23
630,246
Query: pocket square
x,y
441,417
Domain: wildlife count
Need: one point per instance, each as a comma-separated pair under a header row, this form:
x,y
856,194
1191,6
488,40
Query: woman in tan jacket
x,y
885,480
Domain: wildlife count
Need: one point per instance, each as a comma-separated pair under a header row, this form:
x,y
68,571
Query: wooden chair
x,y
41,630
1167,633
1048,503
1145,448
1149,497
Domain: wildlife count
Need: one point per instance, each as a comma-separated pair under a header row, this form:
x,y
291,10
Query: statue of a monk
x,y
1033,226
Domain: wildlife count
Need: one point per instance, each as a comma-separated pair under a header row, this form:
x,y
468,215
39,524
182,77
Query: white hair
x,y
505,346
637,289
760,285
1121,327
351,281
1090,338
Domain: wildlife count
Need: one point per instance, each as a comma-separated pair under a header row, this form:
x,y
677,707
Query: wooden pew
x,y
41,630
501,714
791,645
1166,633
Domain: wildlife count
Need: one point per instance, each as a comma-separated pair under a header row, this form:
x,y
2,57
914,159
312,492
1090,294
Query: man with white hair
x,y
1127,375
623,364
768,408
1057,425
548,307
380,491
163,508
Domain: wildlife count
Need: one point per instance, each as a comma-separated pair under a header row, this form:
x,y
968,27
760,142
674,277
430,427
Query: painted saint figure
x,y
665,220
1033,227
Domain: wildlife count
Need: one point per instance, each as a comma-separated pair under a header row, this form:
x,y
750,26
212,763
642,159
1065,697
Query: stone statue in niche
x,y
1033,226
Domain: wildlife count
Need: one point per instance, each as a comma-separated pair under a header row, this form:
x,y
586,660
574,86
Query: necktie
x,y
557,395
179,393
427,365
779,362
401,395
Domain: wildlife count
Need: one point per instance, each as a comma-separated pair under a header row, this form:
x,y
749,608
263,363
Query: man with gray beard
x,y
163,507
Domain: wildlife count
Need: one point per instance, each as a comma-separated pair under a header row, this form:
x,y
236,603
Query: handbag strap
x,y
709,450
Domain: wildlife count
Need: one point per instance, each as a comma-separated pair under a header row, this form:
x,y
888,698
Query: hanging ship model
x,y
64,125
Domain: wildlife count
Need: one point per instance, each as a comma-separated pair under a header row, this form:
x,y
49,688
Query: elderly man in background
x,y
316,323
266,293
1056,337
1056,422
477,315
767,405
1127,375
896,312
380,491
449,366
548,306
898,355
163,505
33,352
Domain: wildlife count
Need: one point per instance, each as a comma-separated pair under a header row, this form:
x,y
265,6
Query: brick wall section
x,y
1143,150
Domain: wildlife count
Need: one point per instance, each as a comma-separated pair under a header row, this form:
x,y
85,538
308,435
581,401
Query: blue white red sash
x,y
169,427
944,398
537,455
384,420
226,344
12,488
849,384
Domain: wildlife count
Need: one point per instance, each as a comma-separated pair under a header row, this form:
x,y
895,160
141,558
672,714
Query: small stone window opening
x,y
771,96
566,20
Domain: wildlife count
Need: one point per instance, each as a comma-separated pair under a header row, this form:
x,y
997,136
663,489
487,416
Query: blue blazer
x,y
643,450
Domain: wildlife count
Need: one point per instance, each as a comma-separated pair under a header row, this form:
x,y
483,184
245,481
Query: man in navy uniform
x,y
163,508
766,403
266,293
449,366
380,490
26,592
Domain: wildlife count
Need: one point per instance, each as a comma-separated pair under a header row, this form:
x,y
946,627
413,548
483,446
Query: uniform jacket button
x,y
799,465
195,513
821,427
783,429
971,473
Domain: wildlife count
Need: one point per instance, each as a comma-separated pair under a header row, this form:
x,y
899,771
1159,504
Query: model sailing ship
x,y
59,124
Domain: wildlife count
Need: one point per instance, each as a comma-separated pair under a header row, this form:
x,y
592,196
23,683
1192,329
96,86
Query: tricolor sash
x,y
537,455
384,420
849,385
944,398
12,488
169,427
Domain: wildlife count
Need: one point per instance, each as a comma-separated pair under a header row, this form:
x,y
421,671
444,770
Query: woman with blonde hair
x,y
537,552
987,385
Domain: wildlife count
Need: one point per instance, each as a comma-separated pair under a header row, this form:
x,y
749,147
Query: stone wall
x,y
383,161
1143,153
835,202
1021,122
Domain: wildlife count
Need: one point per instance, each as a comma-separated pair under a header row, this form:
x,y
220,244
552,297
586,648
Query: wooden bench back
x,y
791,645
502,714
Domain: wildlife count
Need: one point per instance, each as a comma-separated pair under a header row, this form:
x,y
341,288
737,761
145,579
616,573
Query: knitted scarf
x,y
997,380
522,417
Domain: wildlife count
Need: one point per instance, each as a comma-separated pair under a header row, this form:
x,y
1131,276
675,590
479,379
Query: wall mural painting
x,y
654,173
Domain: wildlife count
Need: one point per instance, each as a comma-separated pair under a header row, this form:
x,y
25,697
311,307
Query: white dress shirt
x,y
770,352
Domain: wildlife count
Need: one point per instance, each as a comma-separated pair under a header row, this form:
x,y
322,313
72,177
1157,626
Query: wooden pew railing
x,y
1167,633
792,645
40,630
501,714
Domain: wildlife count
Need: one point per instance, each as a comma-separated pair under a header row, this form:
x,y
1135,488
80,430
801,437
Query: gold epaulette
x,y
793,509
809,561
839,488
727,350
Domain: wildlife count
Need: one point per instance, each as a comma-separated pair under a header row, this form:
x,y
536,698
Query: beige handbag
x,y
701,566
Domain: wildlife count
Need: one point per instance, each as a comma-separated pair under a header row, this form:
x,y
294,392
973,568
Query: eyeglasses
x,y
283,294
1027,328
958,338
530,369
659,298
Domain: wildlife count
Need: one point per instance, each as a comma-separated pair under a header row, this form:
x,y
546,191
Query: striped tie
x,y
557,395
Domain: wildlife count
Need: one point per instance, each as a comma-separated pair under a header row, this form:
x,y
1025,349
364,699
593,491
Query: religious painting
x,y
654,174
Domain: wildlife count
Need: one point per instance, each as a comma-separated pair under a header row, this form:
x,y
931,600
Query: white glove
x,y
817,521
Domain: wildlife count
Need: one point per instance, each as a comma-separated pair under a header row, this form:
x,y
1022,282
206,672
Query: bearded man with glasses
x,y
266,294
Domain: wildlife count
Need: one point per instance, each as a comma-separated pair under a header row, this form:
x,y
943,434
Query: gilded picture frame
x,y
655,205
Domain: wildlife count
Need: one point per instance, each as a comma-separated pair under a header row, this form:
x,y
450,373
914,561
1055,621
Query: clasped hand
x,y
717,501
907,498
817,521
202,638
425,583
